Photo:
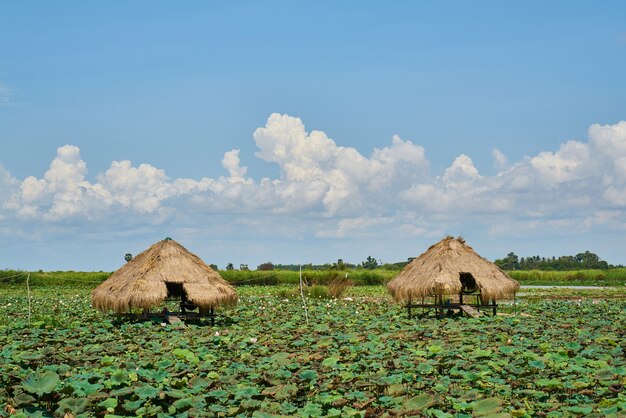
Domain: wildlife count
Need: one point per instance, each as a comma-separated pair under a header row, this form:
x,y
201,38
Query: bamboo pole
x,y
306,313
29,298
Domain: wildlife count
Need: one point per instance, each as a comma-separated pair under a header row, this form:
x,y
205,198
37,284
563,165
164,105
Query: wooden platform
x,y
469,310
473,310
173,319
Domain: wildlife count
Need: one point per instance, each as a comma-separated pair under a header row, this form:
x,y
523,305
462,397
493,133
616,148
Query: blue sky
x,y
306,132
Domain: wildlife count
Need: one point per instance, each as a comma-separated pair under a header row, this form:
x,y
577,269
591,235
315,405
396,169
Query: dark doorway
x,y
174,290
468,283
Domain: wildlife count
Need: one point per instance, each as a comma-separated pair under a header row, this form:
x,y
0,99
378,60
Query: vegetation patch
x,y
359,356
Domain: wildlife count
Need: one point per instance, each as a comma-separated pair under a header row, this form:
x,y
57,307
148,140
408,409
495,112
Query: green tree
x,y
265,266
510,262
369,263
339,265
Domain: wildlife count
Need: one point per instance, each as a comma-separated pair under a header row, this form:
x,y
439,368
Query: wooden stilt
x,y
408,306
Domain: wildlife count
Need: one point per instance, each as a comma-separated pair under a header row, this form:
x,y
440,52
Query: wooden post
x,y
440,303
306,311
493,302
29,298
212,313
408,307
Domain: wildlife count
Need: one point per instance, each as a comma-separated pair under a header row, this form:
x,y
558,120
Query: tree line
x,y
369,263
580,261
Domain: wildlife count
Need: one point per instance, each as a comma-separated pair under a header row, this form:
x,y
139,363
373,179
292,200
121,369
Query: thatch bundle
x,y
143,282
439,269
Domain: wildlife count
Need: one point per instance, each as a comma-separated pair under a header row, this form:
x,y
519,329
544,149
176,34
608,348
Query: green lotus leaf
x,y
333,413
439,414
286,392
147,392
478,353
419,402
330,362
311,410
506,349
41,383
605,374
308,375
107,360
260,414
132,406
485,407
73,405
30,356
120,377
434,349
572,346
549,383
246,392
537,364
84,388
109,404
23,399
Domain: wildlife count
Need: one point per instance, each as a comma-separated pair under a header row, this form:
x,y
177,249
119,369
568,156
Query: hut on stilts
x,y
165,271
451,276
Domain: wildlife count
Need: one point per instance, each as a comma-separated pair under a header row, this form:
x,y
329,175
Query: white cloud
x,y
499,159
231,162
349,176
338,192
63,192
462,173
571,162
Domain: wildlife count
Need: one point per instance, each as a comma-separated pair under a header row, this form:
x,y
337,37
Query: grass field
x,y
359,277
558,352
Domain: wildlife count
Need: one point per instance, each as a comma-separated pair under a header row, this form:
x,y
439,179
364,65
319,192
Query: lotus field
x,y
358,356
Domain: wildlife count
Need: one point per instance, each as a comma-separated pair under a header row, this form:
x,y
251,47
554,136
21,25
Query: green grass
x,y
322,277
359,277
58,278
612,277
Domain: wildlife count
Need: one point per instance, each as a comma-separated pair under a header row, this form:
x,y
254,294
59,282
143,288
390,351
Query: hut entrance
x,y
468,283
175,291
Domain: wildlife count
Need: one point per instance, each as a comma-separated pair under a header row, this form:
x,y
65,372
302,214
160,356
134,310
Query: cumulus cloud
x,y
231,162
342,175
499,159
63,192
347,192
571,162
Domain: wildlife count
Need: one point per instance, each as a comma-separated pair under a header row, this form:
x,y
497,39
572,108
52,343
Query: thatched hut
x,y
446,272
165,270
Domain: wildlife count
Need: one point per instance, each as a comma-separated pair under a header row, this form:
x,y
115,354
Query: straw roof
x,y
141,283
438,270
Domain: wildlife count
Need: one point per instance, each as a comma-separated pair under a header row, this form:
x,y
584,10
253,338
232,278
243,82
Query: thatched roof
x,y
438,270
141,283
